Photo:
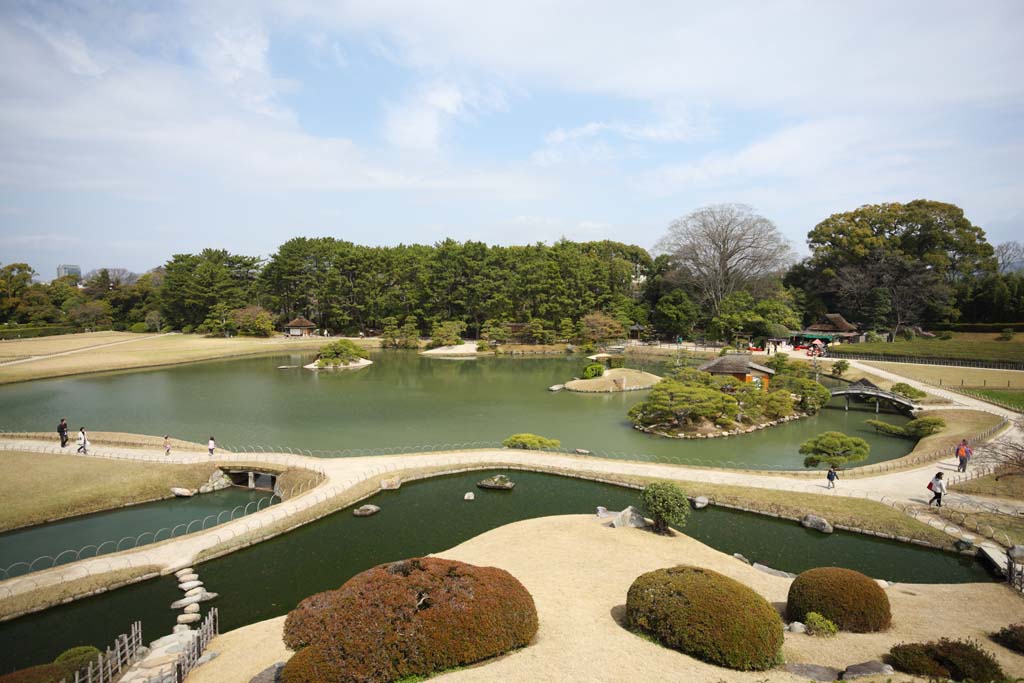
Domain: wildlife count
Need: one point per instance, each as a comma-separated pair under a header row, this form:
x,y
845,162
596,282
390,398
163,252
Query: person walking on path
x,y
62,431
937,486
211,444
832,476
83,441
167,445
963,455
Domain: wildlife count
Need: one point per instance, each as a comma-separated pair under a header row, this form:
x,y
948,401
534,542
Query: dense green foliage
x,y
958,660
916,429
341,352
1011,636
706,615
410,618
904,389
834,449
530,442
852,601
839,367
811,396
666,504
448,333
62,668
593,370
818,625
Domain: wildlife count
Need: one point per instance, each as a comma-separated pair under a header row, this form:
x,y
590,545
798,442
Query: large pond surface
x,y
270,578
106,532
404,401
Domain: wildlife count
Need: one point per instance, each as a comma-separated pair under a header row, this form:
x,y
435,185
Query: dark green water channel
x,y
268,579
402,401
101,533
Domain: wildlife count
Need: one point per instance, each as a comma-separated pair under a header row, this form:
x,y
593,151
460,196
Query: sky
x,y
130,131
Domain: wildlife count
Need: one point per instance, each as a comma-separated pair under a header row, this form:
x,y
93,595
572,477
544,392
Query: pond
x,y
404,401
123,528
270,578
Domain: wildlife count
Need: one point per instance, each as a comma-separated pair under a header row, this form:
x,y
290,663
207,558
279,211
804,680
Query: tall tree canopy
x,y
722,249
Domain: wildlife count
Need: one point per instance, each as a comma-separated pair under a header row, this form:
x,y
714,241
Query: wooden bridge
x,y
874,392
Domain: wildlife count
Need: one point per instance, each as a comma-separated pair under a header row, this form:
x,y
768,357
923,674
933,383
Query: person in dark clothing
x,y
832,476
62,431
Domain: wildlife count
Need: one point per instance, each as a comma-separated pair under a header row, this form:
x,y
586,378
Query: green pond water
x,y
103,532
424,517
402,402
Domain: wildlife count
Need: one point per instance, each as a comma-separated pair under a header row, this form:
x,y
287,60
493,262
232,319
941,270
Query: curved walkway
x,y
342,477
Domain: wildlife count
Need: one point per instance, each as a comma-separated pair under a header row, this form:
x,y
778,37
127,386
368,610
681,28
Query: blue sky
x,y
131,131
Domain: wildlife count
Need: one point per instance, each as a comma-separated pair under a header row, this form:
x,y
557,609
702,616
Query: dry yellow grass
x,y
960,424
618,379
949,375
38,487
11,349
153,351
1007,486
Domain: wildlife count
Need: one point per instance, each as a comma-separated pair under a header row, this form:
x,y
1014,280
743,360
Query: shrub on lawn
x,y
666,503
593,370
77,658
852,601
139,328
1006,334
960,660
818,625
405,619
62,668
1011,636
706,615
904,389
530,442
920,427
341,352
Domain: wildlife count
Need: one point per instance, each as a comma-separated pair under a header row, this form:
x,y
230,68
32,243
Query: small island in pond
x,y
617,379
342,354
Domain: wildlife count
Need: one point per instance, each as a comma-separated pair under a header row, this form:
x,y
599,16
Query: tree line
x,y
722,271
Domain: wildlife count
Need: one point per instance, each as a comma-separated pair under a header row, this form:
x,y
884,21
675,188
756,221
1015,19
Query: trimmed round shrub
x,y
849,599
706,615
818,625
409,618
44,673
593,370
139,328
1011,636
960,660
77,658
530,442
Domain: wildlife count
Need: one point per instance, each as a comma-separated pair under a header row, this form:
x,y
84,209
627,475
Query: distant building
x,y
300,327
832,327
65,269
741,366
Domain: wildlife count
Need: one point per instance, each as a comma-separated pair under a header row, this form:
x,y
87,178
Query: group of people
x,y
937,485
83,439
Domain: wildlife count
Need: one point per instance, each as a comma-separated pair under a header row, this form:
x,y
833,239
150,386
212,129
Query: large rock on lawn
x,y
629,518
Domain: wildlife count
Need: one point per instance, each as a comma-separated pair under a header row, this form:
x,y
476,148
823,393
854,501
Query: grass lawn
x,y
960,424
965,346
40,487
151,351
950,375
1011,397
1007,486
12,349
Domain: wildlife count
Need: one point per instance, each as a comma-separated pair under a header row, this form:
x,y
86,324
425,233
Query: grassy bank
x,y
145,351
48,596
1012,398
963,346
14,349
948,375
39,487
960,424
1006,486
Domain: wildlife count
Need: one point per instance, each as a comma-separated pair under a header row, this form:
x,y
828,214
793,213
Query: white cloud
x,y
418,123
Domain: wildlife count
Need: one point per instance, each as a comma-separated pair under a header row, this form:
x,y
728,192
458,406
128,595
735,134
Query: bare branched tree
x,y
1008,453
1010,256
721,249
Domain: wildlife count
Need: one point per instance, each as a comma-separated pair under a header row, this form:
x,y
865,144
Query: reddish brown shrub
x,y
44,673
854,602
407,618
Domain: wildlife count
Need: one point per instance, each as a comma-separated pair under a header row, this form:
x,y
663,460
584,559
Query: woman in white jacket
x,y
938,487
83,441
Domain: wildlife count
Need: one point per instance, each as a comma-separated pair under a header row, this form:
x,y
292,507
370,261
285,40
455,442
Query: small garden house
x,y
832,327
741,366
300,327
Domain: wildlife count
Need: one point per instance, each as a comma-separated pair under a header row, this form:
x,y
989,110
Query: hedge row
x,y
31,332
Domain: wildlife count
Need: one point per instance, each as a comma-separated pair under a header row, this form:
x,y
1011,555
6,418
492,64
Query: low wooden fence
x,y
109,664
957,362
189,658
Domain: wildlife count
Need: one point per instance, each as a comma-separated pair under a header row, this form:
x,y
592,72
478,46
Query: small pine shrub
x,y
818,625
1011,636
945,335
77,657
530,442
960,660
706,615
593,370
920,427
483,345
904,389
406,619
666,503
139,328
187,329
852,601
1006,334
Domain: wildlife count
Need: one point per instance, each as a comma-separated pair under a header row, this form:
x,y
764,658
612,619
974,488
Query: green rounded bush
x,y
959,660
139,328
44,673
409,618
904,389
593,370
77,657
818,625
852,601
706,615
530,442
